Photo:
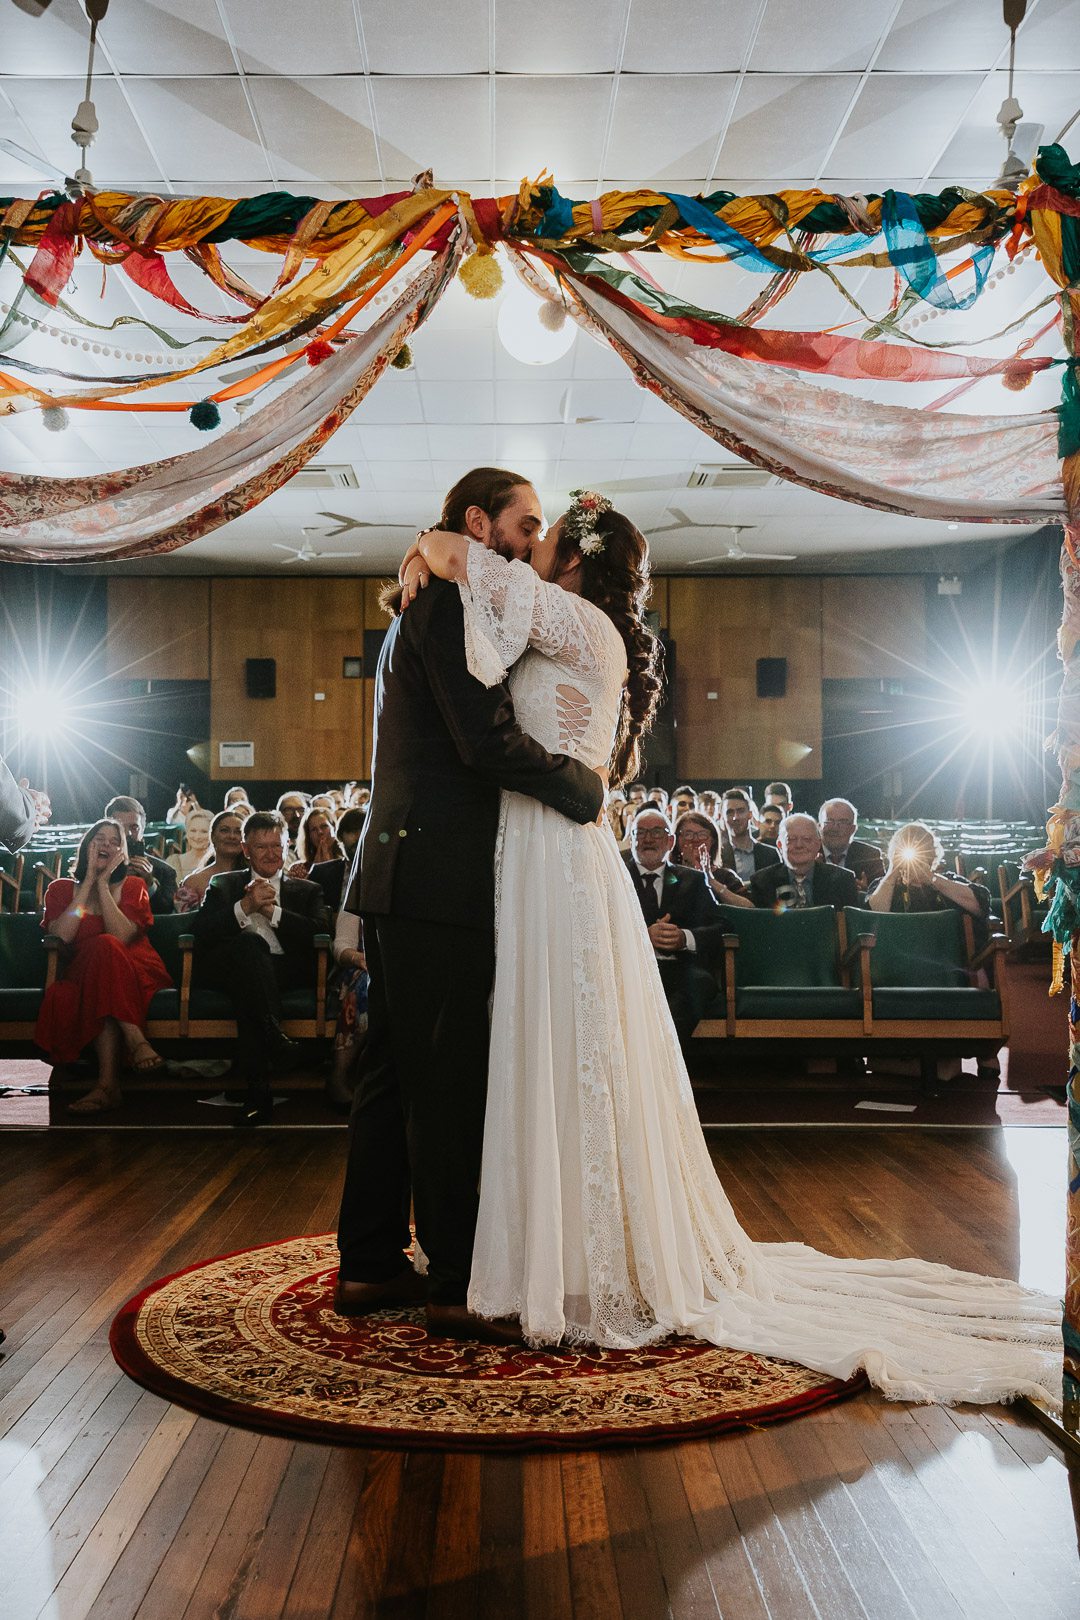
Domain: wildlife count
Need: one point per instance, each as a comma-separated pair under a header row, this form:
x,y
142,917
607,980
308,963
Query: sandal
x,y
97,1101
150,1060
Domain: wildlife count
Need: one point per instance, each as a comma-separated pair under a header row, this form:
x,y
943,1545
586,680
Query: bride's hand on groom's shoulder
x,y
414,578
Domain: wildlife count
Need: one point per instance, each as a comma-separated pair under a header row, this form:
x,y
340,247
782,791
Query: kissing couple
x,y
523,1088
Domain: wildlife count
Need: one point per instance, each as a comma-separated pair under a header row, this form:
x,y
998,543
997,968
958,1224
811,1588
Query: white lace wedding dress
x,y
601,1216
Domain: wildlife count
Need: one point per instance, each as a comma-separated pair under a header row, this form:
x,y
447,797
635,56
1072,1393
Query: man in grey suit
x,y
22,810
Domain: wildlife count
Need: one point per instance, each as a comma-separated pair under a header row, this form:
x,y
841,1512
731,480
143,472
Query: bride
x,y
601,1217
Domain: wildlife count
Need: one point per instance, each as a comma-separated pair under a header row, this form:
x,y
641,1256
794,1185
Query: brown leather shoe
x,y
458,1322
357,1298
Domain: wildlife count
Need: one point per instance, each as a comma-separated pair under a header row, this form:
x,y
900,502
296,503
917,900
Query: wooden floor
x,y
114,1503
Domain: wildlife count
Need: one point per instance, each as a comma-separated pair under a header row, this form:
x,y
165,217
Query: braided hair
x,y
615,578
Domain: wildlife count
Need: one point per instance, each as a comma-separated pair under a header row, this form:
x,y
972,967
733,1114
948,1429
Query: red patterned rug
x,y
252,1339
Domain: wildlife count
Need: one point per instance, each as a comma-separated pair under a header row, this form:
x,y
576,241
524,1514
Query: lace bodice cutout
x,y
566,660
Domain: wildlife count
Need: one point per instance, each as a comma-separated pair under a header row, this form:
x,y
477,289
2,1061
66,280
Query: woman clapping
x,y
110,970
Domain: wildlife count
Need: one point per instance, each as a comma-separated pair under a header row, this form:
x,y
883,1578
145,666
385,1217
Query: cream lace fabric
x,y
601,1216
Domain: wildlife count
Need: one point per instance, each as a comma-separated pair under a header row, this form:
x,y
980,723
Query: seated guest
x,y
224,854
801,879
196,844
330,875
838,820
235,795
682,800
780,794
657,796
636,794
697,845
292,807
182,808
158,875
914,881
684,925
739,849
315,842
109,970
254,934
708,803
769,821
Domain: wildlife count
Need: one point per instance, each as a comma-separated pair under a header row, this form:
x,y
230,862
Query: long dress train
x,y
601,1216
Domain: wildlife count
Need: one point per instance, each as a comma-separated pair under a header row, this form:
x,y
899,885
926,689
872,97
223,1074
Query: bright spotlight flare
x,y
44,712
992,710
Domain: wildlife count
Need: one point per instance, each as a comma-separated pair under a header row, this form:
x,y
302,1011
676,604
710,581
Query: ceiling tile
x,y
614,401
473,442
950,35
149,37
905,113
664,127
413,36
688,36
317,129
405,441
40,46
839,37
200,127
604,440
531,442
435,120
553,123
458,401
401,475
977,149
46,106
561,36
274,36
444,356
539,401
506,366
395,399
782,126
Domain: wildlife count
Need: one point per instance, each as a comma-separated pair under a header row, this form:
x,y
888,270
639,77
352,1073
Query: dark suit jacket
x,y
691,905
330,876
865,861
303,913
163,893
833,886
444,747
16,812
765,855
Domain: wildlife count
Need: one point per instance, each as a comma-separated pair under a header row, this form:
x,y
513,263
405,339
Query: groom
x,y
423,880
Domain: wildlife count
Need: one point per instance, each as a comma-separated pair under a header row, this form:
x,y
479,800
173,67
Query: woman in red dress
x,y
110,971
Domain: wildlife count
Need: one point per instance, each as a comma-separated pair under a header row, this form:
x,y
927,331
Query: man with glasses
x,y
683,920
838,821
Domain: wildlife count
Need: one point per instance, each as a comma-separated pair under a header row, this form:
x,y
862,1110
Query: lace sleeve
x,y
508,607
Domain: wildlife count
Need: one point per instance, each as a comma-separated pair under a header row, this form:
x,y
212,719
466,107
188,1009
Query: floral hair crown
x,y
583,517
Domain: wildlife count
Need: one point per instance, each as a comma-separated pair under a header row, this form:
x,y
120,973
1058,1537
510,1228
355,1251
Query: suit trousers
x,y
417,1122
246,970
690,990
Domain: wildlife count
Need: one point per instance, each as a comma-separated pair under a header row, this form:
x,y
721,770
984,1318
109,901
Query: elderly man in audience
x,y
801,879
682,917
254,938
158,875
740,850
779,793
838,820
292,808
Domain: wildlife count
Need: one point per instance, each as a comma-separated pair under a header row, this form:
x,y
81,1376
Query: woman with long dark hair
x,y
109,970
601,1217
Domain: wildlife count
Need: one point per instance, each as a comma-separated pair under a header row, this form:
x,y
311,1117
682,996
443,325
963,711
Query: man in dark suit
x,y
802,879
424,885
158,875
22,810
683,919
739,850
254,937
838,821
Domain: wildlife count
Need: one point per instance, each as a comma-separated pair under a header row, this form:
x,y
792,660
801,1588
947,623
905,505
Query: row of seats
x,y
861,978
28,963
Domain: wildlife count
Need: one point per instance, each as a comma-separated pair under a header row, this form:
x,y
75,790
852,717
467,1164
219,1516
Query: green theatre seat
x,y
24,964
784,969
920,968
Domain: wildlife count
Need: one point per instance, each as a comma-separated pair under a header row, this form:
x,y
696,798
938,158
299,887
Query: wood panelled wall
x,y
828,628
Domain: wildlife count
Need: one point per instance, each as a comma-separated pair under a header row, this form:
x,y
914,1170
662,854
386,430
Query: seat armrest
x,y
322,947
997,946
860,943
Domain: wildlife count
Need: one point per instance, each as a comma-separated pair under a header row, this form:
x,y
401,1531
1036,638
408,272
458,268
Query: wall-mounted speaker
x,y
771,677
260,677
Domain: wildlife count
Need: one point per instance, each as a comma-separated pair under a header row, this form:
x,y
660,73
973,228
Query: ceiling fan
x,y
306,552
735,552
